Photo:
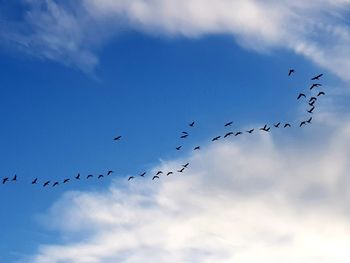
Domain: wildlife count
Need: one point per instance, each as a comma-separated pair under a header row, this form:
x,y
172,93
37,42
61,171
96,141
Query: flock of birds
x,y
266,128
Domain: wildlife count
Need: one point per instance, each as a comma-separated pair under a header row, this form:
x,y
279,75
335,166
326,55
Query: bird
x,y
309,120
317,77
181,170
228,124
238,133
130,178
89,176
312,99
310,110
321,93
169,173
110,172
197,148
184,136
216,138
185,165
315,85
100,176
5,180
185,132
302,123
312,103
66,180
291,71
154,177
265,128
143,174
178,148
117,138
301,95
287,125
55,184
14,178
77,177
228,134
191,124
159,172
46,183
277,125
250,131
35,181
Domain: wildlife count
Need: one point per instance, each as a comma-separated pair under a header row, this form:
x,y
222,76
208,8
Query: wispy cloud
x,y
263,197
72,33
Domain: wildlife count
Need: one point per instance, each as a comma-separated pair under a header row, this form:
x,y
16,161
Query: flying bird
x,y
228,134
46,183
159,172
191,124
185,132
238,133
228,124
169,173
317,77
287,125
143,174
100,176
265,128
216,138
301,95
35,181
312,99
5,180
291,71
185,165
130,178
309,120
154,177
178,148
197,148
110,172
117,138
77,177
250,131
312,103
302,123
14,178
89,176
311,110
277,125
321,93
66,180
55,184
181,170
184,136
315,85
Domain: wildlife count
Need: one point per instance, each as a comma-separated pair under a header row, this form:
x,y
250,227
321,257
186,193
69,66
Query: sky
x,y
77,74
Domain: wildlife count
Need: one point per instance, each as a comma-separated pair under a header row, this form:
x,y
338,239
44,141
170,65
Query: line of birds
x,y
311,103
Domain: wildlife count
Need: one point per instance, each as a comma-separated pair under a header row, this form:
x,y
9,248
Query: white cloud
x,y
279,198
71,33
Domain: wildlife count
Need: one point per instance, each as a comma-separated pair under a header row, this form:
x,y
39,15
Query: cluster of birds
x,y
266,128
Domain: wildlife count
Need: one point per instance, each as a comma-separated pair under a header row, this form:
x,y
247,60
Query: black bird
x,y
184,136
312,103
312,99
228,134
178,148
130,178
66,180
46,183
277,125
181,170
238,133
302,123
5,180
169,173
197,148
14,178
185,132
191,124
317,77
301,95
287,125
110,172
250,131
311,110
154,177
228,124
89,176
216,138
309,120
35,181
55,183
77,177
315,85
185,165
159,172
321,93
117,138
291,71
265,128
143,174
100,176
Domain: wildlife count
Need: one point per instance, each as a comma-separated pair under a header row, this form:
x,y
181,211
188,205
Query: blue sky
x,y
76,75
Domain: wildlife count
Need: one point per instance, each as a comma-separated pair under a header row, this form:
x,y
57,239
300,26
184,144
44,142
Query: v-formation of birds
x,y
311,107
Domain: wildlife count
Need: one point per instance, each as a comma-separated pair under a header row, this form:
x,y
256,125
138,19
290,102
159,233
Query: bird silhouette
x,y
311,110
100,176
5,180
130,178
317,77
312,103
185,132
77,177
238,133
228,124
315,85
228,134
184,136
35,181
302,123
154,177
191,124
159,172
185,165
178,148
216,138
169,173
66,180
265,128
89,176
277,125
117,138
14,178
46,183
312,99
301,95
291,71
197,148
309,120
287,125
55,184
321,93
181,170
110,172
250,131
143,174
